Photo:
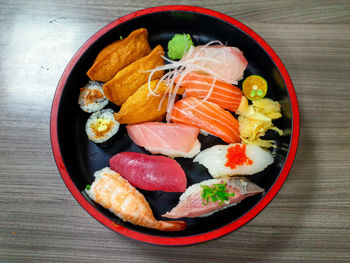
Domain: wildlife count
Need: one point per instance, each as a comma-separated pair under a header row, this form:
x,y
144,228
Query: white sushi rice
x,y
92,104
173,153
106,114
214,159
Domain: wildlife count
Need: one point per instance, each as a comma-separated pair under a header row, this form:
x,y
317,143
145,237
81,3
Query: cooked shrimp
x,y
115,193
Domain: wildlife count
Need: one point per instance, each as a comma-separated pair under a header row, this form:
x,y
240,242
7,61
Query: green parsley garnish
x,y
88,187
216,193
120,37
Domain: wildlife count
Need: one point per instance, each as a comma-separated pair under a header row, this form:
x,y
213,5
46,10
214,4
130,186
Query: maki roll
x,y
101,126
92,98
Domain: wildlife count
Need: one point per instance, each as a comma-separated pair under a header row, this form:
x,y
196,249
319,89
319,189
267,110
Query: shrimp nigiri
x,y
115,193
202,86
207,116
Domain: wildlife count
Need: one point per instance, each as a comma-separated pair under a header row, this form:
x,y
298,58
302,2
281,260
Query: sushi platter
x,y
172,133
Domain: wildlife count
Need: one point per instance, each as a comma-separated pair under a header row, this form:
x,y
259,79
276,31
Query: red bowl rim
x,y
176,241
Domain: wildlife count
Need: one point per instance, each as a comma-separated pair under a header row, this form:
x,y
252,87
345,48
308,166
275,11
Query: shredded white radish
x,y
177,70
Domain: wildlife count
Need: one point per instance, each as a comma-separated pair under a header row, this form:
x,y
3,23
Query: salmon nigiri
x,y
207,116
171,139
210,196
202,86
115,193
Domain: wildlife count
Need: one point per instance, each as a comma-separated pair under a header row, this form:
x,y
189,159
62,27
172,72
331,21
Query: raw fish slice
x,y
150,172
225,63
202,86
192,203
242,160
113,192
207,116
171,139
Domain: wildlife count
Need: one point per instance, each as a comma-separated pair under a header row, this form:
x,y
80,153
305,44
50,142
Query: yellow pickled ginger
x,y
256,119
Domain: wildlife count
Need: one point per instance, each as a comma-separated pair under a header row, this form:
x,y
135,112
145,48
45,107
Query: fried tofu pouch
x,y
142,106
119,54
130,78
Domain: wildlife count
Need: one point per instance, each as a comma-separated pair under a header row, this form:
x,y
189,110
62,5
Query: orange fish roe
x,y
236,156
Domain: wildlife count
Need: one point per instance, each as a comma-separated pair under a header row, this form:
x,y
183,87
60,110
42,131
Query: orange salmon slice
x,y
227,96
207,116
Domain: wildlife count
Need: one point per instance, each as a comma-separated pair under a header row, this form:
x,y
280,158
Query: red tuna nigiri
x,y
207,116
225,63
227,96
171,139
150,172
227,192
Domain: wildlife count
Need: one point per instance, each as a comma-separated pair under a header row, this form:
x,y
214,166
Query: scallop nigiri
x,y
202,86
171,139
114,193
234,159
210,196
207,116
150,172
223,62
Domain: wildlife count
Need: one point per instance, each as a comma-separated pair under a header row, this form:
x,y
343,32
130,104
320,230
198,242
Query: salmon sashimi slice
x,y
202,86
171,139
115,193
229,192
223,62
207,116
150,172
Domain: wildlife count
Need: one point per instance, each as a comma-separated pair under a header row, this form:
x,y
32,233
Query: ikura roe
x,y
236,155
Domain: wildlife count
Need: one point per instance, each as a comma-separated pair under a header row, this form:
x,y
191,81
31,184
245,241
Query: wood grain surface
x,y
309,219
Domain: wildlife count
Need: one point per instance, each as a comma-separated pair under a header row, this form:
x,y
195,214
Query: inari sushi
x,y
101,126
133,76
113,192
142,106
119,54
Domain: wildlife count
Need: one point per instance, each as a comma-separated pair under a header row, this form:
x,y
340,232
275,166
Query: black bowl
x,y
78,158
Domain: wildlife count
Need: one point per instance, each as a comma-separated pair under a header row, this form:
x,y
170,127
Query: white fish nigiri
x,y
234,159
195,201
222,62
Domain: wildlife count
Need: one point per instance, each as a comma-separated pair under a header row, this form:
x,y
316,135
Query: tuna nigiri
x,y
113,192
150,172
202,86
171,139
223,62
234,159
210,196
207,116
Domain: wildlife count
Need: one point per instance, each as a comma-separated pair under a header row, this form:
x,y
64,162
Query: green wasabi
x,y
179,45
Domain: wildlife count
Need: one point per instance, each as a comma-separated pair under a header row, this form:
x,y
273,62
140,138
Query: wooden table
x,y
308,221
